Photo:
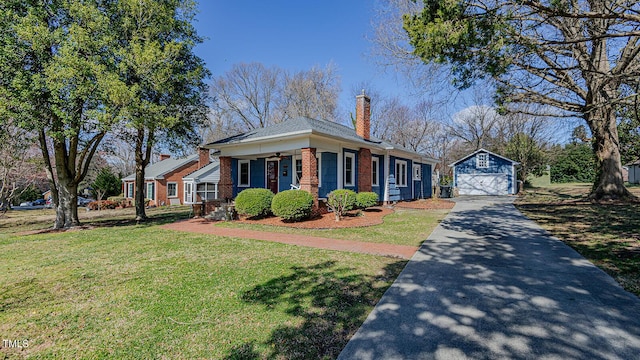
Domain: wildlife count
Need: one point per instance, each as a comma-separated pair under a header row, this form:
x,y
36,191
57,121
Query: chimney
x,y
203,157
164,156
363,116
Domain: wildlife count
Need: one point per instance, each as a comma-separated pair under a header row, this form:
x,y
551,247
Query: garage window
x,y
482,161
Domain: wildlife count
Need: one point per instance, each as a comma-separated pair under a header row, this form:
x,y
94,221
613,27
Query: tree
x,y
161,92
106,184
574,163
312,93
525,149
56,65
629,132
574,57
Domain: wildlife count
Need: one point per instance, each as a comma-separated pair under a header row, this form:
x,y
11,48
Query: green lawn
x,y
403,227
121,290
606,234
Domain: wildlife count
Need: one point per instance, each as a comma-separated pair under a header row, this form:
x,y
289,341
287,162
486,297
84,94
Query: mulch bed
x,y
368,217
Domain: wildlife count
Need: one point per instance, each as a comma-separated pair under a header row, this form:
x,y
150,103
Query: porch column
x,y
309,181
364,170
225,185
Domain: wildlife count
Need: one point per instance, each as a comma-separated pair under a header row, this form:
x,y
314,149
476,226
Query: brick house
x,y
320,156
164,180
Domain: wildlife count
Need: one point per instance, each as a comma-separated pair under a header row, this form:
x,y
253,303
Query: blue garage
x,y
485,173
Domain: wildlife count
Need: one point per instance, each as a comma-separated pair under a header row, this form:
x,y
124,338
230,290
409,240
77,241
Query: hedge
x,y
366,199
254,202
292,205
340,201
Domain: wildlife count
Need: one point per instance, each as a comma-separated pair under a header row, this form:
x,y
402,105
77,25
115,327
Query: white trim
x,y
375,179
319,171
352,180
175,195
240,163
340,169
401,181
153,184
387,172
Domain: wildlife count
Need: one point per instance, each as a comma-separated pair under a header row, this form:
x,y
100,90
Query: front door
x,y
272,176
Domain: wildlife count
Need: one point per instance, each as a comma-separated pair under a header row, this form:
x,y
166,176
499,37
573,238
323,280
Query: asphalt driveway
x,y
491,284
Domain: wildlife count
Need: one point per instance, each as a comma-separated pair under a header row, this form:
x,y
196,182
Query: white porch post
x,y
386,176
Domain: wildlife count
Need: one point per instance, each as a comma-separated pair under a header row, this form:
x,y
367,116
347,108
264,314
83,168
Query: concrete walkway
x,y
491,284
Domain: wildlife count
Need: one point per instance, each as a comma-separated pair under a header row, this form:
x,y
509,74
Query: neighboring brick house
x,y
320,156
164,183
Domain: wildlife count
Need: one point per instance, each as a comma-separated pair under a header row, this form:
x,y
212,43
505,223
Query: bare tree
x,y
312,93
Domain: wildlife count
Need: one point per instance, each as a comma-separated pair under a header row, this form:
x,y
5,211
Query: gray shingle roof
x,y
207,173
159,169
308,125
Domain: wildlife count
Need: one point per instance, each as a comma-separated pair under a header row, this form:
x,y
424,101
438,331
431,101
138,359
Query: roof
x,y
159,169
304,125
483,151
209,173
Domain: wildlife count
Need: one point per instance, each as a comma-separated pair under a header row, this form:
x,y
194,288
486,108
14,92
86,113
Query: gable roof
x,y
208,173
304,125
161,168
483,151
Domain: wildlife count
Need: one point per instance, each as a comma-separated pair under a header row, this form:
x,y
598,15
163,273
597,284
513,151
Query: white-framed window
x,y
482,160
207,191
401,173
243,173
417,172
375,170
130,190
188,192
172,189
151,191
349,169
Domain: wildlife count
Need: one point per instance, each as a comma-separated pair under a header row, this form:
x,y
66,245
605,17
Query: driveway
x,y
491,284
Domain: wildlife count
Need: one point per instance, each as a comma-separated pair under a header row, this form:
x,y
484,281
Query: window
x,y
401,173
296,181
188,192
151,191
130,190
349,169
172,189
482,160
375,170
243,171
207,191
417,172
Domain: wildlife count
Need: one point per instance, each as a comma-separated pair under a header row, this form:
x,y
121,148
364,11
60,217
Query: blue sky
x,y
293,35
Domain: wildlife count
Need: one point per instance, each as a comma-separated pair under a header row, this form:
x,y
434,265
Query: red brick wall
x,y
176,177
225,185
364,170
309,180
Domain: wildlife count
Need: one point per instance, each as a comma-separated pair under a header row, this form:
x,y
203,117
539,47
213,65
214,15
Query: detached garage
x,y
485,173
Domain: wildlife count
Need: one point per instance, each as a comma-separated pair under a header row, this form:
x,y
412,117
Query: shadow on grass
x,y
152,220
331,300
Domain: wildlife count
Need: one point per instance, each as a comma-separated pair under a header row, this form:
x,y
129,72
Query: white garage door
x,y
483,184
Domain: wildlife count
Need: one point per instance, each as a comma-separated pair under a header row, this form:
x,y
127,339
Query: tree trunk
x,y
141,214
609,184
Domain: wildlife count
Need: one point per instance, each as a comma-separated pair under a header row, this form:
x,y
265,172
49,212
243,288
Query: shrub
x,y
340,201
102,205
292,205
366,199
254,202
119,200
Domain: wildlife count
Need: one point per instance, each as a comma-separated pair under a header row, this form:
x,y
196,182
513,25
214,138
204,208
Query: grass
x,y
606,234
120,290
403,227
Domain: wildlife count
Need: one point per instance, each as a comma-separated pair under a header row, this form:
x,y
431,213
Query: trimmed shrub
x,y
254,202
119,200
340,201
102,205
292,205
366,199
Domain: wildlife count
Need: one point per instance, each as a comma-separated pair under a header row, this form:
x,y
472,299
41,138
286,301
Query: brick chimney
x,y
203,157
363,116
164,156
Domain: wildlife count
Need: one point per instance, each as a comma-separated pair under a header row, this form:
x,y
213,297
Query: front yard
x,y
120,290
606,234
